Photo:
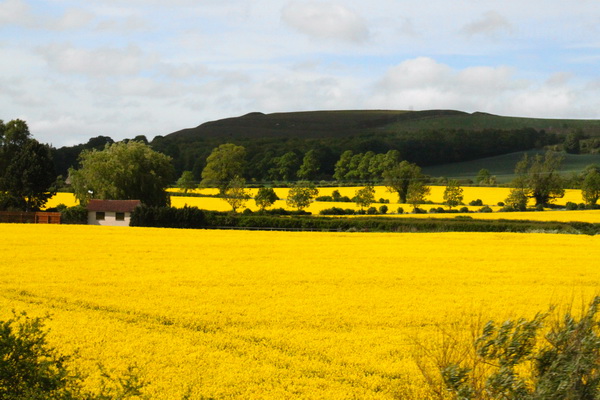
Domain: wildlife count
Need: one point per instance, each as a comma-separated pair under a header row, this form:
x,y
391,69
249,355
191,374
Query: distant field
x,y
488,195
504,166
274,315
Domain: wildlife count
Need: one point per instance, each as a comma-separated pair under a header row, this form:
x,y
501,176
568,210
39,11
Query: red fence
x,y
29,217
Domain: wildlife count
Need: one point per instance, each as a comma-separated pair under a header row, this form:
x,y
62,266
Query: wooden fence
x,y
29,217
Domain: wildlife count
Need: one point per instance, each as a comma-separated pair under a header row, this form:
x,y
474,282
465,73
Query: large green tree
x,y
27,173
417,193
285,167
222,165
364,197
342,166
301,195
537,177
235,194
310,165
265,197
123,171
402,178
453,194
590,188
186,181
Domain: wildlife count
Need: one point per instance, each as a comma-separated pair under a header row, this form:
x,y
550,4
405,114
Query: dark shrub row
x,y
192,217
168,217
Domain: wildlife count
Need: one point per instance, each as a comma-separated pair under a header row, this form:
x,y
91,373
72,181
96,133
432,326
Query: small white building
x,y
111,212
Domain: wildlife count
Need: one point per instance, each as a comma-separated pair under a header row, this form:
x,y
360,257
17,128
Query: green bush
x,y
383,209
72,215
437,210
485,209
168,217
571,206
400,210
526,364
477,202
371,211
324,198
33,370
336,211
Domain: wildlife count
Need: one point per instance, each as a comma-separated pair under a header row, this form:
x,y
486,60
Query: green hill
x,y
315,124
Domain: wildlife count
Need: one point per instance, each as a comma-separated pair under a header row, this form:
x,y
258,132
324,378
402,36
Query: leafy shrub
x,y
562,364
335,197
464,210
336,211
324,198
168,217
33,370
384,201
501,203
400,210
571,206
283,211
477,202
73,215
383,209
371,211
485,209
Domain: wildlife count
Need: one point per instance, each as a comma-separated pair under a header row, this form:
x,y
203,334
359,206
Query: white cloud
x,y
15,12
324,20
20,13
416,73
127,24
106,61
302,93
424,83
73,18
488,24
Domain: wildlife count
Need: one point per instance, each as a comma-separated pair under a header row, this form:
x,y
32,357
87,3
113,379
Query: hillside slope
x,y
315,124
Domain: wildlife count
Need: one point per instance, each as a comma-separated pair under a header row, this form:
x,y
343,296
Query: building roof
x,y
113,205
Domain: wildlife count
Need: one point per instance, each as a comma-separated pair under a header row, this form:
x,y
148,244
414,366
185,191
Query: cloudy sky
x,y
121,68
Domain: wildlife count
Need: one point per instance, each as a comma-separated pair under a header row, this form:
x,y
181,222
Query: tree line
x,y
280,158
291,158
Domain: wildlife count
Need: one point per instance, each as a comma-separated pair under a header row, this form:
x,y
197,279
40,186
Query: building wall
x,y
110,219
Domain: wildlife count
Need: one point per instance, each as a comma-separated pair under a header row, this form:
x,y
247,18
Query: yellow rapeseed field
x,y
277,315
488,195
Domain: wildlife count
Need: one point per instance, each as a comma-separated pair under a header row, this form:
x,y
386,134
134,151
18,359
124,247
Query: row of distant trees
x,y
537,177
132,170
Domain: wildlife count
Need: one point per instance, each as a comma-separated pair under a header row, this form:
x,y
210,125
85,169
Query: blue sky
x,y
122,68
